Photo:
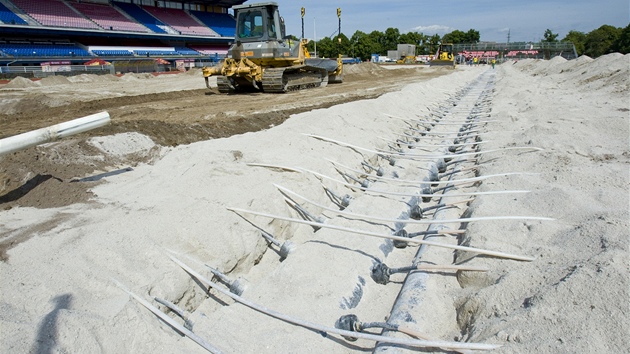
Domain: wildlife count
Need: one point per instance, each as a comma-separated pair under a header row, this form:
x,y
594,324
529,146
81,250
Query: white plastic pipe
x,y
52,133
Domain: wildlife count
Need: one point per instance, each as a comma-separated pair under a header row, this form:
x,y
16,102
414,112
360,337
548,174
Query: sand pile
x,y
58,293
571,298
55,80
193,72
21,82
135,77
89,78
82,78
123,144
366,68
609,72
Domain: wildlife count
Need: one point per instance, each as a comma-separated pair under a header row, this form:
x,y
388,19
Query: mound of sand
x,y
55,80
366,68
193,72
122,144
136,76
21,82
608,72
81,78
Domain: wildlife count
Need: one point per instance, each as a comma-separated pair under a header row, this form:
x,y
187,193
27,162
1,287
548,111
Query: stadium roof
x,y
223,3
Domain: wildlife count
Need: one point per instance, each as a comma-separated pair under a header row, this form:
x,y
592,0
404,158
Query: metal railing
x,y
8,71
59,70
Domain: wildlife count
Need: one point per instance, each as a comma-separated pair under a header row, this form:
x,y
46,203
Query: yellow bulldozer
x,y
263,58
409,59
444,56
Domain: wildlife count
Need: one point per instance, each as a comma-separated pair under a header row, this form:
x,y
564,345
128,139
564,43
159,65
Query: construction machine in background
x,y
444,56
262,58
409,59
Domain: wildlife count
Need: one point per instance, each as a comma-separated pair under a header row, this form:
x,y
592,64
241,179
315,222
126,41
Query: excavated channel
x,y
468,106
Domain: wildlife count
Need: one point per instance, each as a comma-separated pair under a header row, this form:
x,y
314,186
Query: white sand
x,y
57,289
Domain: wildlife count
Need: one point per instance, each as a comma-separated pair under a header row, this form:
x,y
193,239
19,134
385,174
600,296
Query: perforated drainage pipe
x,y
411,293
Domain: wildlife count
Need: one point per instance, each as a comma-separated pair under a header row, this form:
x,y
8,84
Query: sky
x,y
525,20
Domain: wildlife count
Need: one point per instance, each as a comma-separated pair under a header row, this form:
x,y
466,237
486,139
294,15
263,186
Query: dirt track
x,y
170,109
170,112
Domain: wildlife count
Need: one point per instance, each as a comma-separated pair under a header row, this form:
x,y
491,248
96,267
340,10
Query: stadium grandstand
x,y
70,33
517,50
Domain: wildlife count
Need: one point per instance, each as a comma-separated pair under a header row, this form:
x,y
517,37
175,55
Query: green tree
x,y
344,45
456,36
550,37
326,48
364,45
414,38
433,42
355,47
622,45
602,40
423,44
472,36
390,39
578,39
377,39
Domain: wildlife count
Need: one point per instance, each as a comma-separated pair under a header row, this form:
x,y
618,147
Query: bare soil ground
x,y
171,109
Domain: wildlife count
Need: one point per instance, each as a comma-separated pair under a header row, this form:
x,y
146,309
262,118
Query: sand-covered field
x,y
548,151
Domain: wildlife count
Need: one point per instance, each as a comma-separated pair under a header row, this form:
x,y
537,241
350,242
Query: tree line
x,y
603,40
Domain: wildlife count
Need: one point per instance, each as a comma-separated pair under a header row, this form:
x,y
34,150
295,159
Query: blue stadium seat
x,y
141,16
186,51
7,16
43,50
223,24
112,53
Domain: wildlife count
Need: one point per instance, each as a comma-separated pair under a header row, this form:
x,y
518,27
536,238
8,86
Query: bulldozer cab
x,y
444,55
258,23
445,51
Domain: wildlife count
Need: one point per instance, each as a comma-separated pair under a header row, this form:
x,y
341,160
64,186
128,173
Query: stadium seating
x,y
480,53
43,50
7,16
180,21
515,53
186,51
141,16
223,24
155,52
210,50
112,53
108,17
167,51
101,18
54,13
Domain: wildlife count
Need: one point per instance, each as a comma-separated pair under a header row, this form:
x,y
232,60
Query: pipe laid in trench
x,y
52,133
406,308
415,343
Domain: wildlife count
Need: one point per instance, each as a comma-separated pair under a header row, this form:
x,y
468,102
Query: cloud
x,y
433,29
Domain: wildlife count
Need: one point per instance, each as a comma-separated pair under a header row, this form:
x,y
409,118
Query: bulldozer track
x,y
224,85
280,80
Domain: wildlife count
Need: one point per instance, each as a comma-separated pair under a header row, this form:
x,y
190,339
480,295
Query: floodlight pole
x,y
339,33
315,36
303,12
